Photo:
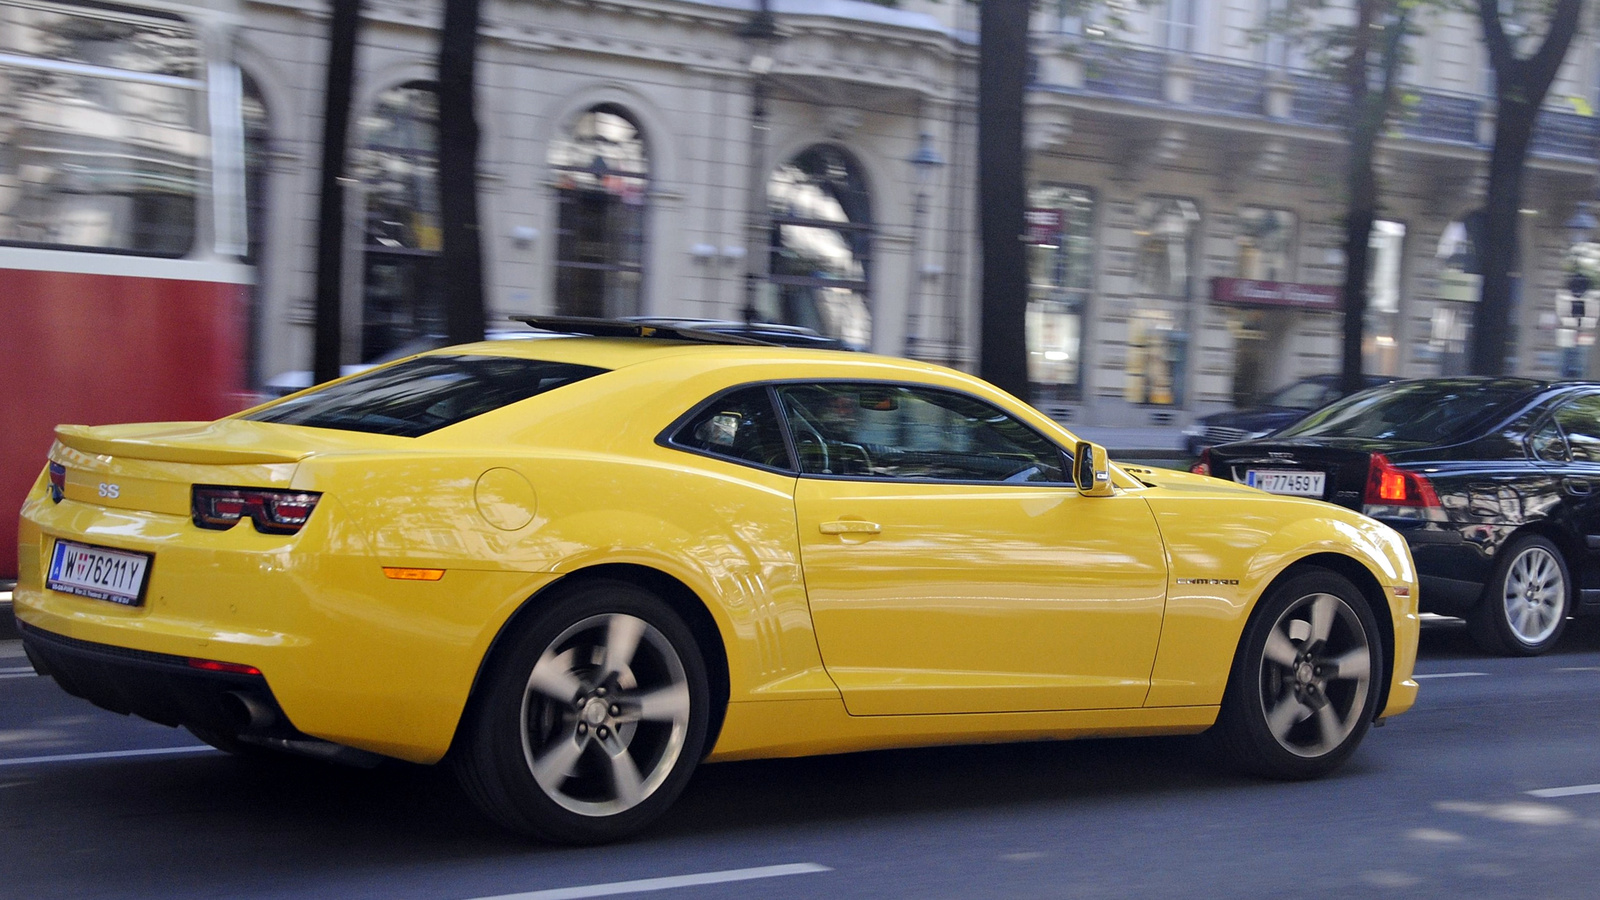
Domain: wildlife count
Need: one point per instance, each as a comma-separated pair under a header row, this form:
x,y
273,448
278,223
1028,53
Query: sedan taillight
x,y
273,512
1202,466
1391,486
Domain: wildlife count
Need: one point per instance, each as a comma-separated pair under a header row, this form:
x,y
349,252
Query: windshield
x,y
1418,412
1302,395
421,395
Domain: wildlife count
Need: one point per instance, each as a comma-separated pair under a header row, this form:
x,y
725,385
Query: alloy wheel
x,y
1315,675
1535,594
605,713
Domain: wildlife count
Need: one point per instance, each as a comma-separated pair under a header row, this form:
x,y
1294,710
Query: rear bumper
x,y
156,686
354,658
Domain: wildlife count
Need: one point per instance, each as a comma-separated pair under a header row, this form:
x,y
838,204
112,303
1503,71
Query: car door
x,y
951,567
1568,445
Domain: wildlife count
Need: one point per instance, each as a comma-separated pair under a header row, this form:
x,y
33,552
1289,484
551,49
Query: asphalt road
x,y
1450,800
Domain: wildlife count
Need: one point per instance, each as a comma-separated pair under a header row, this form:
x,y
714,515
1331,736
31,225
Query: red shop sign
x,y
1248,292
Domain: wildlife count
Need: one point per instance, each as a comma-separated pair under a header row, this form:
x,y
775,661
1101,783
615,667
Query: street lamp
x,y
761,34
924,163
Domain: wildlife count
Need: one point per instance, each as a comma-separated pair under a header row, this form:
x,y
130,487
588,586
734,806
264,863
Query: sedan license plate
x,y
99,573
1277,481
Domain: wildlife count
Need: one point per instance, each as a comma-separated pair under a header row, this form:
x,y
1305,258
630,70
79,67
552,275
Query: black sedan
x,y
1495,482
1277,409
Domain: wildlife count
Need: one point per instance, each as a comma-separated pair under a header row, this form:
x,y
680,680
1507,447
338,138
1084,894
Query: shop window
x,y
1381,343
1265,244
1166,237
399,165
1060,236
601,167
1459,283
822,236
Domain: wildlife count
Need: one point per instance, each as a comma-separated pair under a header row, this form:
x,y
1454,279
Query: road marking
x,y
18,673
111,754
1579,669
663,884
1574,791
1451,675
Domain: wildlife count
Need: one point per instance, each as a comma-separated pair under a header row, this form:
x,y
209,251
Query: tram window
x,y
108,153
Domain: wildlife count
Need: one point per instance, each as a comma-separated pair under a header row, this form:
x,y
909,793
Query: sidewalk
x,y
8,624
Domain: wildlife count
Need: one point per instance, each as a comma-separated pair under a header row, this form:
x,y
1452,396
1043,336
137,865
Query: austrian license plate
x,y
100,573
1278,481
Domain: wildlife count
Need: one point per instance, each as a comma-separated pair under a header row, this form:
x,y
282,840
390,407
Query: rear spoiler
x,y
180,446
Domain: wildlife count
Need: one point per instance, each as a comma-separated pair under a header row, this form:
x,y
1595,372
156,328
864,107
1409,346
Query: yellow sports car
x,y
575,567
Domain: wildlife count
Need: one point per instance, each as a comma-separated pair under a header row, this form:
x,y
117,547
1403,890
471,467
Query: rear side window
x,y
415,397
1416,412
741,425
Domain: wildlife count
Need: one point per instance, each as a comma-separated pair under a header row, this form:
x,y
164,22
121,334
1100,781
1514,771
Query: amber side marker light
x,y
211,665
400,574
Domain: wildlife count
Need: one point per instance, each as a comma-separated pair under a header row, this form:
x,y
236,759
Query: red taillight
x,y
1202,466
211,665
273,512
1390,486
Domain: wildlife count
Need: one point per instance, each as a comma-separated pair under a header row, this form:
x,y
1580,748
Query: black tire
x,y
610,758
1305,680
1526,603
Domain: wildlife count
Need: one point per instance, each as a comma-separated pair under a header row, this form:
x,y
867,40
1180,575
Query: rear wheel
x,y
1304,682
1526,602
591,720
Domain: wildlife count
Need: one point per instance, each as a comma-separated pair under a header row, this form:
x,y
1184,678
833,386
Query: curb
x,y
8,621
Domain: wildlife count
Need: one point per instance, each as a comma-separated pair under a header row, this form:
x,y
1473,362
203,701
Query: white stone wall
x,y
871,80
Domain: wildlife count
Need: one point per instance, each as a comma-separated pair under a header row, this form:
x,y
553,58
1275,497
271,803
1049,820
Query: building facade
x,y
654,157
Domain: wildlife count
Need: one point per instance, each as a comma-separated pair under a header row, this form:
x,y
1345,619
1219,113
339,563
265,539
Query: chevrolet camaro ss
x,y
574,568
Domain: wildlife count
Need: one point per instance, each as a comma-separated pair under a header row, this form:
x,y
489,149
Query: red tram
x,y
123,296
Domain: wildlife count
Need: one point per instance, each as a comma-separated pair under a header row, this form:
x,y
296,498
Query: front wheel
x,y
1303,687
1525,604
592,718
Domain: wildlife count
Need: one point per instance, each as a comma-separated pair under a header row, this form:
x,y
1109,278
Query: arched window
x,y
399,164
602,175
822,244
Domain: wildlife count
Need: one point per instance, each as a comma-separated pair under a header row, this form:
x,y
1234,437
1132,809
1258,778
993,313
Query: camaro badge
x,y
1206,580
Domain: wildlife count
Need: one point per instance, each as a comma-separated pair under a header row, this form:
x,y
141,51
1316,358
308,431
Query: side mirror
x,y
1091,470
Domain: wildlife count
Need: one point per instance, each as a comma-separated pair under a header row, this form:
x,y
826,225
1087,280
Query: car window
x,y
890,431
1548,443
1580,423
1303,395
1419,412
425,394
741,425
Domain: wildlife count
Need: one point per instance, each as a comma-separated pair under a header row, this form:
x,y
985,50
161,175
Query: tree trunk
x,y
1513,131
1360,213
461,262
1520,88
329,337
1002,174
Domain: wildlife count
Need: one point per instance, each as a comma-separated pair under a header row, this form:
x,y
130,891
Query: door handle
x,y
1576,486
851,526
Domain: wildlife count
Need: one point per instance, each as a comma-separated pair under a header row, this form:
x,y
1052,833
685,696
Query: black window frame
x,y
668,436
1066,455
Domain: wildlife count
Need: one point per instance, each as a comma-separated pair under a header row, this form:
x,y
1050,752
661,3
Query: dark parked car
x,y
1495,482
1278,409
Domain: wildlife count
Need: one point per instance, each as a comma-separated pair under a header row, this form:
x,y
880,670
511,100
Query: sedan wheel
x,y
593,721
1304,683
1526,602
